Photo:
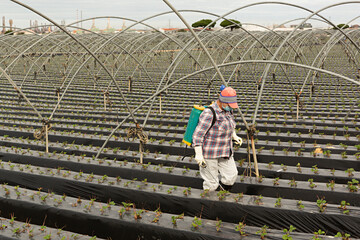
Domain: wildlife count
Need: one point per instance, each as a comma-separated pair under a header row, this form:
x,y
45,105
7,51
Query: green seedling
x,y
318,234
343,207
240,228
278,202
343,236
321,203
300,205
287,232
263,232
196,222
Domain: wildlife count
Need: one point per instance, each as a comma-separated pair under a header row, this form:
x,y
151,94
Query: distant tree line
x,y
230,23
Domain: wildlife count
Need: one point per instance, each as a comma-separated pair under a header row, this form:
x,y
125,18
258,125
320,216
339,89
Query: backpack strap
x,y
213,120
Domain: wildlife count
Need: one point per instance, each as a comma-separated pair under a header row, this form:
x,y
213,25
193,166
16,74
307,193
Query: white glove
x,y
199,158
236,138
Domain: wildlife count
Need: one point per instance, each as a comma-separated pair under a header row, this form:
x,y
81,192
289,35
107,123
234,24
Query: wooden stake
x,y
46,139
160,103
130,83
297,108
104,101
141,150
254,155
248,151
59,99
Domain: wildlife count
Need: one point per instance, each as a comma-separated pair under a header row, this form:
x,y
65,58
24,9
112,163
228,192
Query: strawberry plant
x,y
222,194
196,223
343,236
287,232
353,185
137,214
331,185
238,197
311,183
276,181
315,169
349,172
321,203
218,225
263,232
175,218
318,234
343,207
187,191
300,205
278,202
293,183
258,200
127,206
240,228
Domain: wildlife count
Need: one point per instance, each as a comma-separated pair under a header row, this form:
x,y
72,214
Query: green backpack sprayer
x,y
193,122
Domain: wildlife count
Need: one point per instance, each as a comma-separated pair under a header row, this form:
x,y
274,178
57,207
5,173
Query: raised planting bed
x,y
13,229
122,220
211,205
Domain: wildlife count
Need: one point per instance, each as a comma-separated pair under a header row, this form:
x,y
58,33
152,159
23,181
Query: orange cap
x,y
228,95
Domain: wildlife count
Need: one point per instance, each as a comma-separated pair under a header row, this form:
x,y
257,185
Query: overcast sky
x,y
267,14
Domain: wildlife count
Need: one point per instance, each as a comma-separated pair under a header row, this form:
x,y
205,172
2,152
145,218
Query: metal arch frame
x,y
266,48
90,31
128,53
139,62
286,39
322,58
323,51
22,94
282,44
81,44
231,52
51,52
205,50
138,22
209,68
20,55
40,68
70,36
19,89
202,31
148,18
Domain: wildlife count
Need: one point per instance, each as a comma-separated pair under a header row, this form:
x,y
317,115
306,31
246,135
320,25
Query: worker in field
x,y
212,142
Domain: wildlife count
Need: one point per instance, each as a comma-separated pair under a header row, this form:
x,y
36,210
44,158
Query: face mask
x,y
227,108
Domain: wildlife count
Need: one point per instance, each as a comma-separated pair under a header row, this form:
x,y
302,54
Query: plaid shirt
x,y
217,142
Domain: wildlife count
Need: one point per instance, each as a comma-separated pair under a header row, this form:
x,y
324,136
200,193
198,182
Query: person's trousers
x,y
225,166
